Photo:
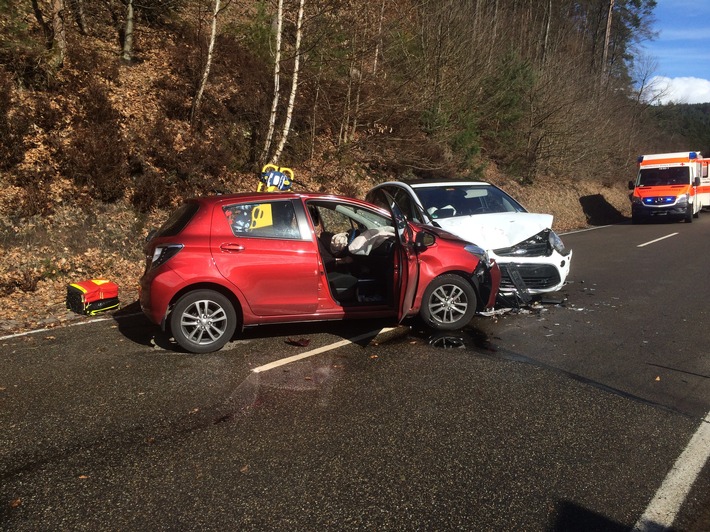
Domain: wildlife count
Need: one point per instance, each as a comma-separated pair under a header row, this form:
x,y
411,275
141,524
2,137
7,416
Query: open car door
x,y
407,260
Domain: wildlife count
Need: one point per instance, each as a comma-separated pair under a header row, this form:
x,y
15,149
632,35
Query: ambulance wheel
x,y
689,214
449,303
203,321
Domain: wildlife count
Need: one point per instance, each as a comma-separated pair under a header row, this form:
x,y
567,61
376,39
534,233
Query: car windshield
x,y
669,175
446,201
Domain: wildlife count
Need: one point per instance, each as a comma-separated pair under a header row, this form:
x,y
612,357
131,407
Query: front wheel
x,y
203,321
449,303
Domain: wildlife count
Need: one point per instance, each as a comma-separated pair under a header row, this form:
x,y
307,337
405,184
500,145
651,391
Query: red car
x,y
225,262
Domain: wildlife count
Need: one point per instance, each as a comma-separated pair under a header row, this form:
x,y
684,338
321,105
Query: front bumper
x,y
649,212
539,274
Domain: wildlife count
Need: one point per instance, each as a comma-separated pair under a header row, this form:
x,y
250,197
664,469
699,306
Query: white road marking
x,y
657,240
663,509
336,345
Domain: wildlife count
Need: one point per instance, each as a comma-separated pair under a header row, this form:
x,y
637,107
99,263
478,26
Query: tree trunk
x,y
294,84
77,9
127,54
607,36
46,28
277,76
59,46
208,64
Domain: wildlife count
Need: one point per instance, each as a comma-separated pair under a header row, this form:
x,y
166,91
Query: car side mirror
x,y
424,240
696,182
631,185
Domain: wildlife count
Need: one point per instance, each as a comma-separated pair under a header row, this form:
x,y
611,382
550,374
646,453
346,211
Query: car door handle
x,y
231,247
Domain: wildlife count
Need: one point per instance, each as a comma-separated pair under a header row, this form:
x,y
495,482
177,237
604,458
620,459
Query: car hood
x,y
497,230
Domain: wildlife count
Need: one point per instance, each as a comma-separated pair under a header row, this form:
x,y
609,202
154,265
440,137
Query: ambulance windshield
x,y
669,175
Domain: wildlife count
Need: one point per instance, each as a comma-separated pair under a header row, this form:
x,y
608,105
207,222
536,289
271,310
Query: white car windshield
x,y
446,201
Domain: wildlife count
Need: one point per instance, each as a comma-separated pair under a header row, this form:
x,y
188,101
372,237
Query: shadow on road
x,y
136,327
599,211
571,516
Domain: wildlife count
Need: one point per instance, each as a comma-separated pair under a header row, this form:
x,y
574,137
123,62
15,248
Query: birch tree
x,y
197,101
294,84
277,77
127,52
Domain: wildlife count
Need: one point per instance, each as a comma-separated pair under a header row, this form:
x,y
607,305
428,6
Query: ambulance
x,y
670,185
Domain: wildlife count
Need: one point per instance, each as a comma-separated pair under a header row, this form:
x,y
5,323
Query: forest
x,y
120,108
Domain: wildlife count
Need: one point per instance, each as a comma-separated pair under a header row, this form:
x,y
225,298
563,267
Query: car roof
x,y
447,182
417,183
261,196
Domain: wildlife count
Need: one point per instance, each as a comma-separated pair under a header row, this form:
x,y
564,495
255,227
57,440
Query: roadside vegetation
x,y
111,112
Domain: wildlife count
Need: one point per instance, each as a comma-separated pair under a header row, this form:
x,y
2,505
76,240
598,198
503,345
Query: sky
x,y
681,52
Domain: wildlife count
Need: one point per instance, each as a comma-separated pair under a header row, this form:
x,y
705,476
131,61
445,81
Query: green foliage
x,y
503,105
687,124
22,52
256,31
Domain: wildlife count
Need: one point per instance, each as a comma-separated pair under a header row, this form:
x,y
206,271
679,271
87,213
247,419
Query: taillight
x,y
163,253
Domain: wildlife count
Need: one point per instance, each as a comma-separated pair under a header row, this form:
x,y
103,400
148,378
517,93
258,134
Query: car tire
x,y
203,321
689,214
449,303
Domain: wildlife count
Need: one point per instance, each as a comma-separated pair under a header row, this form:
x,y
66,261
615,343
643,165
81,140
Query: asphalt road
x,y
568,417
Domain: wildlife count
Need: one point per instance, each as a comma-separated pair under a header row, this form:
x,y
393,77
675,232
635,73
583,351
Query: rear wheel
x,y
449,303
203,321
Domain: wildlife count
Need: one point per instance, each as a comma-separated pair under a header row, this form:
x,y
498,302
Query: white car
x,y
532,258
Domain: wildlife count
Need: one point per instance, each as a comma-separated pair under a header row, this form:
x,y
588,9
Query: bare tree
x,y
607,36
277,80
54,34
77,9
197,101
127,52
294,83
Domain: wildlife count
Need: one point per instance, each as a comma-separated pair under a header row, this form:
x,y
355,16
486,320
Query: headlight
x,y
539,245
556,243
682,199
479,252
635,200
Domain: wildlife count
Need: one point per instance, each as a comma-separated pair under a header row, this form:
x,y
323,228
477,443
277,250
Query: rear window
x,y
178,219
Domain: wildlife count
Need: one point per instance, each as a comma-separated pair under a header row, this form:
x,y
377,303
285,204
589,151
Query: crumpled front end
x,y
538,264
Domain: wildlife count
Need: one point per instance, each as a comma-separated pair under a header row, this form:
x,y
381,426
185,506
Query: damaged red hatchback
x,y
220,263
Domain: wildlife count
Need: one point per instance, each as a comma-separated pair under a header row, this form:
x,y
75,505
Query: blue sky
x,y
681,52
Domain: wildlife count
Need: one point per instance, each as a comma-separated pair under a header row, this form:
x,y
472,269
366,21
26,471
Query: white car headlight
x,y
556,243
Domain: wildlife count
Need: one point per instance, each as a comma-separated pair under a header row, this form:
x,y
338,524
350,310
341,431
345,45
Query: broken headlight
x,y
539,245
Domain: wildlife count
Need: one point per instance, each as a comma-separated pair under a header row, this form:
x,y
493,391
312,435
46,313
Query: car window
x,y
341,217
275,219
405,203
463,200
178,219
